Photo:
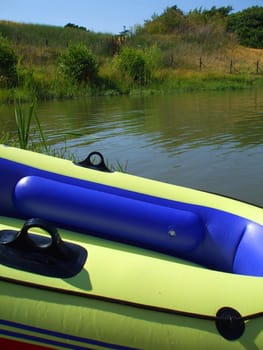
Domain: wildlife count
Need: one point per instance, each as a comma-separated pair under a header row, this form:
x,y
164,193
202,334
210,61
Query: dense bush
x,y
79,64
8,64
247,24
133,65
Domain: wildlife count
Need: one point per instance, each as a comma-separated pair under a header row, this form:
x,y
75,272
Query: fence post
x,y
200,63
231,67
257,69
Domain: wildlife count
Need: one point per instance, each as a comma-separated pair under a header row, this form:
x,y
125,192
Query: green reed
x,y
24,127
24,123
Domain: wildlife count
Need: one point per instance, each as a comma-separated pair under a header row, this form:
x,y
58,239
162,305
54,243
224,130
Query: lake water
x,y
206,140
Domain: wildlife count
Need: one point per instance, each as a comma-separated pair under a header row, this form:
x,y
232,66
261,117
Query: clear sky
x,y
103,15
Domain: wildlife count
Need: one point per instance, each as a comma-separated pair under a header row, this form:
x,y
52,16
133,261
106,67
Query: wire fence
x,y
232,66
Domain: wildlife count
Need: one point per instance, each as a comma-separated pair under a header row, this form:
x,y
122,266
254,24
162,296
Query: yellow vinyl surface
x,y
124,273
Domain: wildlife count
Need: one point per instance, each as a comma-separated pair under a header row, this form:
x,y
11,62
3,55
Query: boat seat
x,y
249,254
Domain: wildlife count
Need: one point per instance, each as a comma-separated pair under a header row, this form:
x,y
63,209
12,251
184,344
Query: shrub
x,y
79,64
132,63
8,64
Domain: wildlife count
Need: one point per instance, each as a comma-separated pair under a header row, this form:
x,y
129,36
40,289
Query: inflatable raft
x,y
93,259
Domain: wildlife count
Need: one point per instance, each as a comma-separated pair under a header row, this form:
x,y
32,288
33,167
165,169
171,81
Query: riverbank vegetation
x,y
203,49
29,135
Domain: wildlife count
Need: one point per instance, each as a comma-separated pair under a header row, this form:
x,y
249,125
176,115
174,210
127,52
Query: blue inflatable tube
x,y
166,229
207,229
112,216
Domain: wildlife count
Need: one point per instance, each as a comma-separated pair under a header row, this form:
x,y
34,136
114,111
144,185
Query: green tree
x,y
208,27
248,25
220,12
171,20
8,65
79,64
133,63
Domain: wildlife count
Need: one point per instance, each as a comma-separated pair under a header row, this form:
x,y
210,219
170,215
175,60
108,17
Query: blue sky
x,y
103,15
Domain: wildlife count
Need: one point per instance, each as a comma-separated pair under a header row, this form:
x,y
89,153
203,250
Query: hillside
x,y
175,51
52,37
42,44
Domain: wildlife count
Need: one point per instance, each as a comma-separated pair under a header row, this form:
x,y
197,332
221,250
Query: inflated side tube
x,y
109,215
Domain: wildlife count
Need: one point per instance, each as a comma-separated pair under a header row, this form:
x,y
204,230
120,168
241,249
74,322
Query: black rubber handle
x,y
94,160
44,225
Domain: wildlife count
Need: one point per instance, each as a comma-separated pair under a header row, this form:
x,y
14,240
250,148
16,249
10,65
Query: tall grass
x,y
24,125
46,36
28,127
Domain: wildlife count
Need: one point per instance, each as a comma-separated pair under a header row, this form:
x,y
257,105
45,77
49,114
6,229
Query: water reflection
x,y
211,141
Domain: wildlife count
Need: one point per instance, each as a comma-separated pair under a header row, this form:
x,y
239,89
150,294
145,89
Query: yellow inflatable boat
x,y
93,259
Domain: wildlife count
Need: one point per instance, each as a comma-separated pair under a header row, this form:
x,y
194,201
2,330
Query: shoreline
x,y
171,82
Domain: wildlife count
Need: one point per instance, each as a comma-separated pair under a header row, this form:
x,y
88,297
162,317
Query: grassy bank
x,y
177,64
43,86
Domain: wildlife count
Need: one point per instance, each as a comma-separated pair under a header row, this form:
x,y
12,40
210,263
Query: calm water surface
x,y
211,141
